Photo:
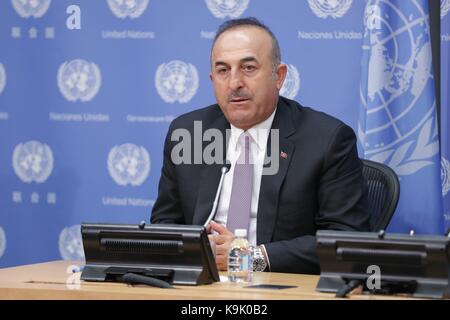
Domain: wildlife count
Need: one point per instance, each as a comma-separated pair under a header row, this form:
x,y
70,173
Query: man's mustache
x,y
235,95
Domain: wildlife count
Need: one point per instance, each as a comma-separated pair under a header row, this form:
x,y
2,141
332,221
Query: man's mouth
x,y
239,100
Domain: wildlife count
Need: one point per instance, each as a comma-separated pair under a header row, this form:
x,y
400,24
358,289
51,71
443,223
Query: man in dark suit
x,y
317,184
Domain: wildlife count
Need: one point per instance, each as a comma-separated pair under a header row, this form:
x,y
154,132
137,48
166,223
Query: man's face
x,y
245,84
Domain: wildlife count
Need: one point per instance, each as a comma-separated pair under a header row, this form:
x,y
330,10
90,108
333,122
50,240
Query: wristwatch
x,y
259,260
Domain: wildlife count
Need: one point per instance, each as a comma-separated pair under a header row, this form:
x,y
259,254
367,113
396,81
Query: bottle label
x,y
245,263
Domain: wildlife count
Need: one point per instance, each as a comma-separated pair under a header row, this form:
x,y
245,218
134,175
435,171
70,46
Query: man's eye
x,y
249,68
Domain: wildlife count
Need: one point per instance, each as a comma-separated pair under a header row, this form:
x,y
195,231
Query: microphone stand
x,y
224,170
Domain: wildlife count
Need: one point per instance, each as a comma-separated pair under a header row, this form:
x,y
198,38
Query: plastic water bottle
x,y
240,258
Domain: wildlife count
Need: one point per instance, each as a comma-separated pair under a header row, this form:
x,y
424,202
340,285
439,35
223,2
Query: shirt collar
x,y
259,132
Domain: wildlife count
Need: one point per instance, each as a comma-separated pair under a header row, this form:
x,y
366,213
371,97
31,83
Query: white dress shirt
x,y
259,135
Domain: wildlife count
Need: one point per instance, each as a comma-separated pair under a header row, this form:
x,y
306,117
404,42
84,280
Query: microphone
x,y
224,170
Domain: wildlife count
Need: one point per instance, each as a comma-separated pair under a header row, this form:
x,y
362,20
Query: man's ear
x,y
210,76
281,75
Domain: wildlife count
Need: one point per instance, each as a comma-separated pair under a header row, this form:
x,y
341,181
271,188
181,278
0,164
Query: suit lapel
x,y
209,178
271,184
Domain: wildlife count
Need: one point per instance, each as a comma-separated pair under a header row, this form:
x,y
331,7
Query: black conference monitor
x,y
412,265
176,254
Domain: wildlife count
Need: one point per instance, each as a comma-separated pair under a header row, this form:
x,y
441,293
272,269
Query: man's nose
x,y
236,81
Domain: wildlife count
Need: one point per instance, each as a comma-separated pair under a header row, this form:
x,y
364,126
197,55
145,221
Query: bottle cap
x,y
240,233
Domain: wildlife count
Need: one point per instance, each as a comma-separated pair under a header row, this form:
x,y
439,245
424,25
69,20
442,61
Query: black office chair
x,y
383,193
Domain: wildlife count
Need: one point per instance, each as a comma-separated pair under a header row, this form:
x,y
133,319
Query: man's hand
x,y
222,241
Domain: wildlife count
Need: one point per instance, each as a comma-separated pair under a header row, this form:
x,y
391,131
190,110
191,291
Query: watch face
x,y
259,264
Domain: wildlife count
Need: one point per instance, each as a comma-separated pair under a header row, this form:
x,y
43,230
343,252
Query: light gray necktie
x,y
241,190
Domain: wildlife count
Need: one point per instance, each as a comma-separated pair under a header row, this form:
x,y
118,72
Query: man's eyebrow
x,y
220,63
246,59
249,59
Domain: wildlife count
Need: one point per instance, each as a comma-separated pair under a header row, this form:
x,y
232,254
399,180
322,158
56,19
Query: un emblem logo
x,y
2,242
330,8
128,8
2,78
128,164
79,80
32,161
227,8
400,127
71,244
445,176
31,8
445,7
176,81
291,84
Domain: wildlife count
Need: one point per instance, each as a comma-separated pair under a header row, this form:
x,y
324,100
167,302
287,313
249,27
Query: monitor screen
x,y
416,265
177,254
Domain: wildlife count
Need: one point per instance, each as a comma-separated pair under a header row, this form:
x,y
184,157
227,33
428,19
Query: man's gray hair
x,y
251,22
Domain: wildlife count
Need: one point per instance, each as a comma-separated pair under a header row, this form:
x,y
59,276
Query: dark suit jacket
x,y
318,186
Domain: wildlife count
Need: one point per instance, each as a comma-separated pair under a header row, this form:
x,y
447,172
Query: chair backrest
x,y
383,193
